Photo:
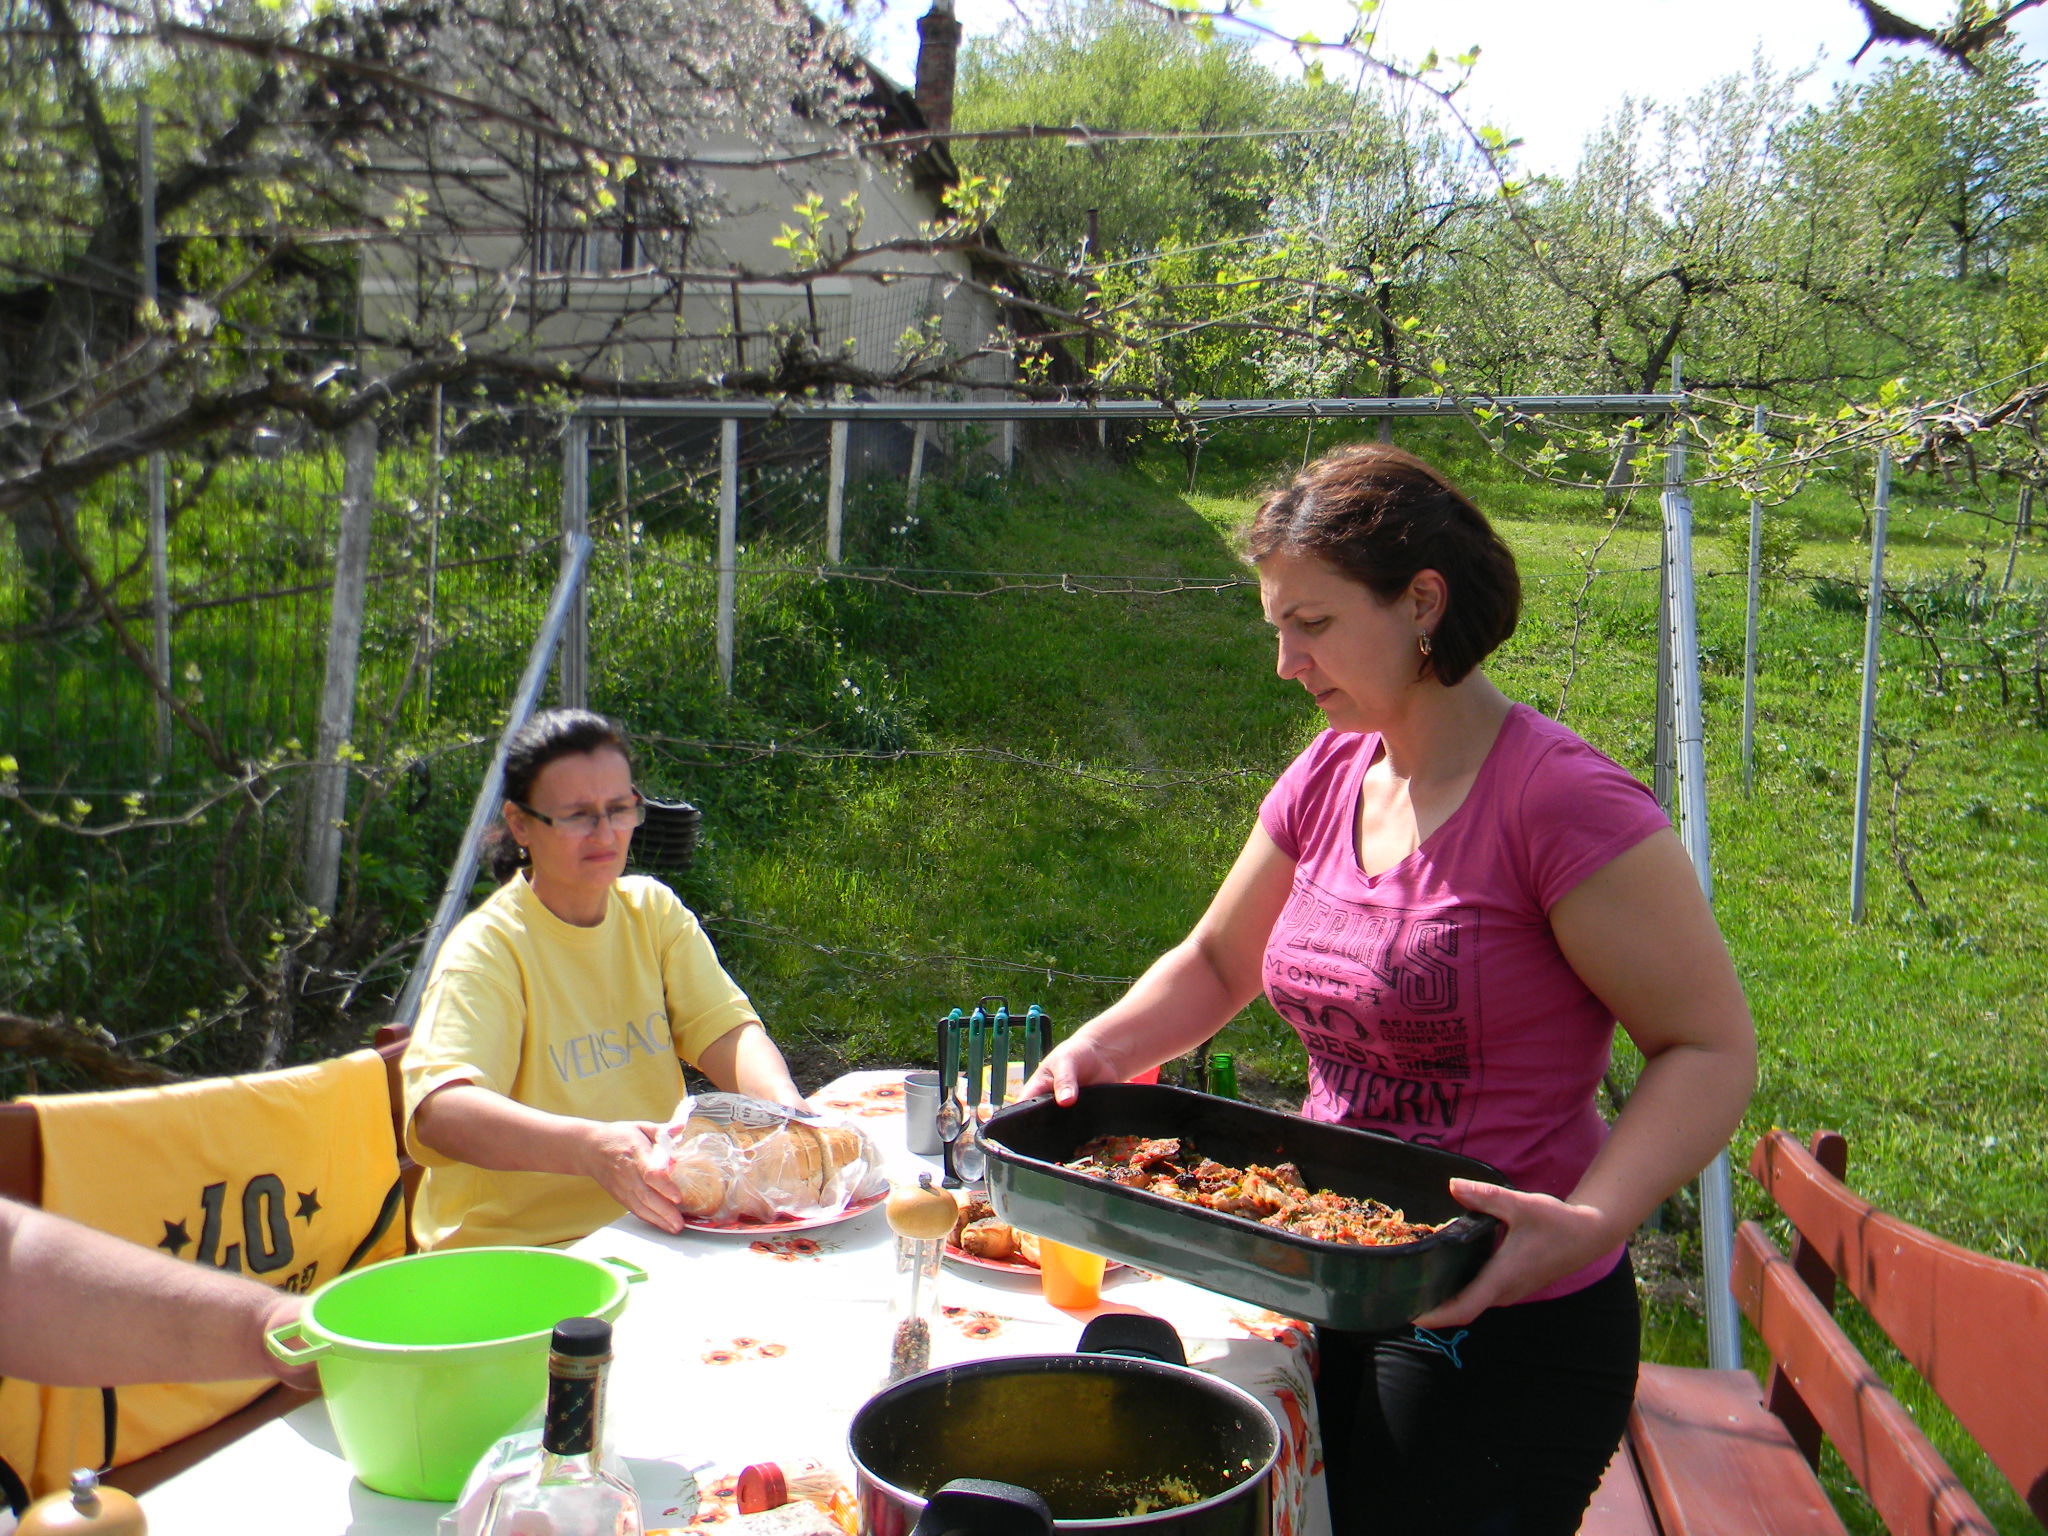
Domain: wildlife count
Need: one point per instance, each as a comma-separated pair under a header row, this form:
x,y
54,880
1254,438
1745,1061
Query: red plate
x,y
792,1223
1008,1266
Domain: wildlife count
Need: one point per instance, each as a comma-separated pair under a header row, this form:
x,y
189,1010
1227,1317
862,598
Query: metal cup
x,y
921,1105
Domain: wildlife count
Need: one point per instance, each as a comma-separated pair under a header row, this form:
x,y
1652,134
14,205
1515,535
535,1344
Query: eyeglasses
x,y
586,823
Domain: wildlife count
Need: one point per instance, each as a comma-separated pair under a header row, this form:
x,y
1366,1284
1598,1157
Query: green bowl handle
x,y
277,1342
634,1273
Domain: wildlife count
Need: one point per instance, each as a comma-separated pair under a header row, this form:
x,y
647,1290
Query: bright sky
x,y
1549,73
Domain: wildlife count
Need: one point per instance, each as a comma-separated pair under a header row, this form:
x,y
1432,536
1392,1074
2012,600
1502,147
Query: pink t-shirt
x,y
1432,998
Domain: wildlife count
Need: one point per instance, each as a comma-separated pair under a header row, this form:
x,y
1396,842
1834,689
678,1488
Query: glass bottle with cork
x,y
570,1491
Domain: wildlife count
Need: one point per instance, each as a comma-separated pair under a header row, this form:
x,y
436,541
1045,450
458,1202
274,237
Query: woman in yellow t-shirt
x,y
550,1037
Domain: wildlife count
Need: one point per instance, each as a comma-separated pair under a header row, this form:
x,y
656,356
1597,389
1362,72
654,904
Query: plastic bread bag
x,y
727,1158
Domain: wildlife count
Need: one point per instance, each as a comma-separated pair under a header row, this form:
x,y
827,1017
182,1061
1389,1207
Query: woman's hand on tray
x,y
1075,1063
1546,1238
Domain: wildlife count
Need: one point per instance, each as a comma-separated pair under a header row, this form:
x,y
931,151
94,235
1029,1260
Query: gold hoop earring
x,y
1422,642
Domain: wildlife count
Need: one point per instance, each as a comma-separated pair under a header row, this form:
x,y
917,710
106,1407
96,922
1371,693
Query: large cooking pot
x,y
1120,1435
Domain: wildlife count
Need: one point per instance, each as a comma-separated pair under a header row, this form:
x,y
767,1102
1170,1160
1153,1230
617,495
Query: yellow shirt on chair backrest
x,y
587,1022
288,1177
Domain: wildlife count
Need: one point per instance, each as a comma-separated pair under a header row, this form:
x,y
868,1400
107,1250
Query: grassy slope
x,y
1922,1036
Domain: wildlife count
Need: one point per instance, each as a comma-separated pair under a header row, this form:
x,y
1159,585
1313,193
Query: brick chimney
x,y
938,50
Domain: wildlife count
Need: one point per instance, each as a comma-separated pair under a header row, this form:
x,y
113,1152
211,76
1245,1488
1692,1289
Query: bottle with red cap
x,y
767,1484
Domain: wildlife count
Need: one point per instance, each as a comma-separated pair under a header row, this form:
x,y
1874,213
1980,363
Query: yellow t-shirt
x,y
586,1022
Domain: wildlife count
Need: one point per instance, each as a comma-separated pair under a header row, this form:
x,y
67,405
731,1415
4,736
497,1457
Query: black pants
x,y
1500,1428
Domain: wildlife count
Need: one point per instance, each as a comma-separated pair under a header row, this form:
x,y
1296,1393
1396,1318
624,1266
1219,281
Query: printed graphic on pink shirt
x,y
1386,1001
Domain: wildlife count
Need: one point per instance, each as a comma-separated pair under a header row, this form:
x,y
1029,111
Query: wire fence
x,y
711,538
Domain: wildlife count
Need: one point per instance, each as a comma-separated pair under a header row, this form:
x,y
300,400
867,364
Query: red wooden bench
x,y
1718,1452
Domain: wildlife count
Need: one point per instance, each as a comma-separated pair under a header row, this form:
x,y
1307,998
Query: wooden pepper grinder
x,y
87,1510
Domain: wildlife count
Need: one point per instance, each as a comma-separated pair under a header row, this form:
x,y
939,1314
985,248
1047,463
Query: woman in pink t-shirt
x,y
1454,901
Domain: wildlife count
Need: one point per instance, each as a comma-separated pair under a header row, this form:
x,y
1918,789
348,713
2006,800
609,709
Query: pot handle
x,y
1139,1334
980,1506
633,1272
279,1342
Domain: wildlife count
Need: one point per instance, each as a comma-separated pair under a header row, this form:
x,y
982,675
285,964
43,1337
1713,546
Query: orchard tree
x,y
1100,65
297,152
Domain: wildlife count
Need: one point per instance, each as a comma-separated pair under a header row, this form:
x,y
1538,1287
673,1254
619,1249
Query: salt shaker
x,y
920,1216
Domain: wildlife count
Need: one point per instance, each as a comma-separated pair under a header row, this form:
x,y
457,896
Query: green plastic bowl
x,y
427,1360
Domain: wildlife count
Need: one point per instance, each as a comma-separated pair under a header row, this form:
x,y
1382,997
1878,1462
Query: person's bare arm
x,y
472,1124
1640,934
745,1060
1189,992
83,1309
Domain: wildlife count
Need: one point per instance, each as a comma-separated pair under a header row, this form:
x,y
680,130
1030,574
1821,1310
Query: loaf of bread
x,y
746,1161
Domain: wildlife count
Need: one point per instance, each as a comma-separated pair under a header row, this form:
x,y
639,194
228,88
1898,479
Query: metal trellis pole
x,y
1866,732
455,894
625,488
1717,1201
329,801
436,467
835,495
575,692
153,468
1663,757
728,540
1756,557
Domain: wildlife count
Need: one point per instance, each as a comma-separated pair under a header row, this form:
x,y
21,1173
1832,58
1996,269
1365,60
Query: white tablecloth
x,y
743,1348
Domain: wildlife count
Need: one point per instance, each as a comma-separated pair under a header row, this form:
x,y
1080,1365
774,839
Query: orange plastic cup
x,y
1069,1277
1149,1075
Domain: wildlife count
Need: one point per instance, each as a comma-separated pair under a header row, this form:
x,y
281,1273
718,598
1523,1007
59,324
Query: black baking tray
x,y
1341,1285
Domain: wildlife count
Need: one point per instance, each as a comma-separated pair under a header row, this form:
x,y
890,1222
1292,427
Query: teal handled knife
x,y
999,1056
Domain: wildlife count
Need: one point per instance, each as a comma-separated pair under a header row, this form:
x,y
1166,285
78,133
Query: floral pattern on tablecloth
x,y
717,1503
972,1324
743,1349
718,1507
878,1099
1277,1328
787,1249
1289,1391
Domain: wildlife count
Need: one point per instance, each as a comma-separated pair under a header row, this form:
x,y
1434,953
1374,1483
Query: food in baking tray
x,y
1275,1195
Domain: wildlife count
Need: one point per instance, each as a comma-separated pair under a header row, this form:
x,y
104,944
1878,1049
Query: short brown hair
x,y
1379,515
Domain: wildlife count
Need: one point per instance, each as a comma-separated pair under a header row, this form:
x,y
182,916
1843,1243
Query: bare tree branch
x,y
1959,41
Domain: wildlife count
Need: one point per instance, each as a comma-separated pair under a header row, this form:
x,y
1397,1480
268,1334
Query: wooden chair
x,y
1717,1452
390,1041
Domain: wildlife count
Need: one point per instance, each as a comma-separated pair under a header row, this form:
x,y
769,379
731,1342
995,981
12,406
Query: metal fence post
x,y
1756,558
1665,752
728,540
329,801
436,467
575,689
1717,1201
835,495
1866,732
918,436
1010,424
625,473
153,470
